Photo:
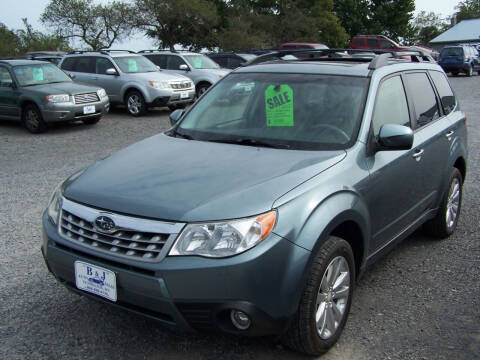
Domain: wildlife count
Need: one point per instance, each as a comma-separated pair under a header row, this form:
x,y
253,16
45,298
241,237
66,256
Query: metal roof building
x,y
466,31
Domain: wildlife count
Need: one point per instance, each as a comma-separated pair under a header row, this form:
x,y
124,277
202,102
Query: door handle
x,y
417,155
449,135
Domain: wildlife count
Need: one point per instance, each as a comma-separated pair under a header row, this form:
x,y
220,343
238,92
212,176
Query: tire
x,y
202,88
303,334
135,103
91,121
32,119
469,71
445,222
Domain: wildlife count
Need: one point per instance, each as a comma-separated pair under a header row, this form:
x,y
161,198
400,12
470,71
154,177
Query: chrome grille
x,y
181,85
86,98
76,224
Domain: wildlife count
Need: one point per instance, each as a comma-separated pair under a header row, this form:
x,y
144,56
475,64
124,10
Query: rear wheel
x,y
326,299
135,103
445,222
32,119
469,71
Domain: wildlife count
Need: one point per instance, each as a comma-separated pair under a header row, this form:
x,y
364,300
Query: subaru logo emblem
x,y
105,224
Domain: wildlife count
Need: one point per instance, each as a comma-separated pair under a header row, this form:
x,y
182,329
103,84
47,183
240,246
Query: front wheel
x,y
469,71
135,103
32,119
445,222
326,299
201,89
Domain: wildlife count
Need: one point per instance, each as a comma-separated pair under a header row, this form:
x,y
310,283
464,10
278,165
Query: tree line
x,y
228,24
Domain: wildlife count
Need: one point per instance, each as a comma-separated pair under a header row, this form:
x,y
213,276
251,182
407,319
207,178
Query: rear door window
x,y
372,43
359,42
5,78
447,98
387,45
85,64
391,105
423,97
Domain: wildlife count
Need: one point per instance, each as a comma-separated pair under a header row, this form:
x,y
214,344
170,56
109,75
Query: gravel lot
x,y
422,301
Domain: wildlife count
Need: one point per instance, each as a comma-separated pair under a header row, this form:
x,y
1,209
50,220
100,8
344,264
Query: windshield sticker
x,y
132,65
279,105
37,73
197,62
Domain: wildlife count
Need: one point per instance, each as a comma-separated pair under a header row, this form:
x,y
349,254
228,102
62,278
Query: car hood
x,y
70,88
159,76
186,180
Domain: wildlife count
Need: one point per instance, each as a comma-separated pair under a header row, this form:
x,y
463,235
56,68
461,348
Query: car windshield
x,y
135,64
201,62
294,111
452,52
38,74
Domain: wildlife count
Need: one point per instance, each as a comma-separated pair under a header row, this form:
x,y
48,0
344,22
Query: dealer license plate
x,y
96,280
184,95
90,109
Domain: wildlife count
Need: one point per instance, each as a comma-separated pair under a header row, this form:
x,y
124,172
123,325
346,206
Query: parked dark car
x,y
459,59
38,93
230,60
261,206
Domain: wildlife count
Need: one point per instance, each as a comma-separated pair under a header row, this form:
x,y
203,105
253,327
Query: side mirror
x,y
158,67
71,76
175,116
111,71
394,137
184,67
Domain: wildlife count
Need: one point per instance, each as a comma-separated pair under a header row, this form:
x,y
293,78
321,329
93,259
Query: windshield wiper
x,y
250,142
175,133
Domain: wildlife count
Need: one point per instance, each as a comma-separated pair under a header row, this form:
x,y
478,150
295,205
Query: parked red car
x,y
374,42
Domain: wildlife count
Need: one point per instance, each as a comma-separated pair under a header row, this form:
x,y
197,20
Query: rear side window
x,y
424,100
445,91
387,45
391,105
85,65
359,42
69,64
372,43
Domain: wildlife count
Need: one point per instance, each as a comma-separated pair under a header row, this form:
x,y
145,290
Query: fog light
x,y
240,320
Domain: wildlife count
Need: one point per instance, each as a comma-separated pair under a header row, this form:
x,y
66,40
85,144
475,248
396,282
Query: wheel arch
x,y
129,88
461,165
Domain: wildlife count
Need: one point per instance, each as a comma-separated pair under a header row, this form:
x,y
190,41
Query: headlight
x,y
159,84
222,239
55,204
101,93
63,98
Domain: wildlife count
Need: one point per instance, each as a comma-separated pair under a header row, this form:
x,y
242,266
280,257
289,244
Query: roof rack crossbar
x,y
317,54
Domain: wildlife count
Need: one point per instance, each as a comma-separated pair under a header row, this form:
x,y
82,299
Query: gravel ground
x,y
421,301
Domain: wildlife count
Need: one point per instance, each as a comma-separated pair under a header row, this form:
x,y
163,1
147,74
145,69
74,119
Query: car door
x,y
393,190
9,94
111,83
435,130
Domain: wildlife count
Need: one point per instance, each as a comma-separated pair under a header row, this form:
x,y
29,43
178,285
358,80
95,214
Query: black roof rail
x,y
157,50
117,50
340,54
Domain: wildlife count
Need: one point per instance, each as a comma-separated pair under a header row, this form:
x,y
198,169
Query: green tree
x,y
427,26
98,26
10,44
392,18
353,15
32,40
191,23
468,9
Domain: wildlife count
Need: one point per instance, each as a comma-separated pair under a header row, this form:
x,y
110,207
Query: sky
x,y
12,15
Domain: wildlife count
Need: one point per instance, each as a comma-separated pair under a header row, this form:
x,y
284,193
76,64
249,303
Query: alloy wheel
x,y
134,104
332,297
32,120
453,203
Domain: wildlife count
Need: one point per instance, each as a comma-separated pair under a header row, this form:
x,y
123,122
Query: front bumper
x,y
194,293
72,112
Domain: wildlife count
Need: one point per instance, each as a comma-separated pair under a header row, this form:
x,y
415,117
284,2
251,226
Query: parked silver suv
x,y
129,78
200,68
